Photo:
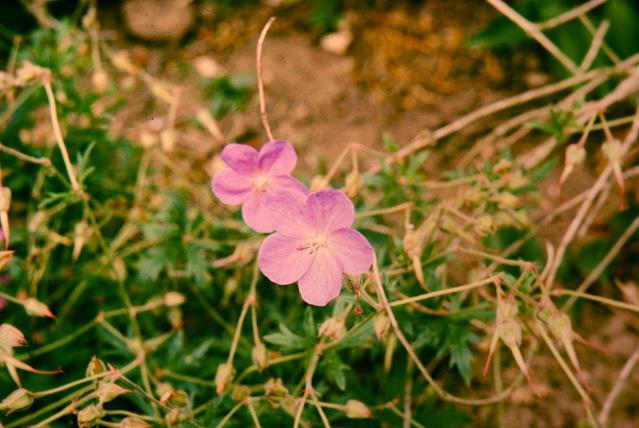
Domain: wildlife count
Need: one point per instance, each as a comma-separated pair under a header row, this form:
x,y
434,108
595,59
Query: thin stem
x,y
446,291
603,264
46,82
256,420
533,31
597,40
229,415
260,80
46,162
383,211
616,389
570,15
411,352
604,300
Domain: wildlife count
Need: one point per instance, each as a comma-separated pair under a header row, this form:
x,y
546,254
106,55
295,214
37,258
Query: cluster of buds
x,y
275,392
560,327
508,329
178,403
11,337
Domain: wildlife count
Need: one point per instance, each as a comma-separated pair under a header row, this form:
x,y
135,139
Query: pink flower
x,y
252,176
314,244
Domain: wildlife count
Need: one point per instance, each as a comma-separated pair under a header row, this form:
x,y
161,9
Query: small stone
x,y
337,43
158,20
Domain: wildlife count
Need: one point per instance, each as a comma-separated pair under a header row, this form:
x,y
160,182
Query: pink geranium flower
x,y
314,244
253,175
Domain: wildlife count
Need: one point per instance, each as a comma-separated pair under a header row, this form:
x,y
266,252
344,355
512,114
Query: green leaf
x,y
310,329
286,339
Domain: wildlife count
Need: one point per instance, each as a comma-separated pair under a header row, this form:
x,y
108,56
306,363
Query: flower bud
x,y
173,298
355,409
163,388
5,199
223,376
36,308
516,180
119,269
575,154
240,392
275,391
318,182
506,200
100,80
96,367
121,61
176,399
10,337
108,391
173,418
560,326
510,333
504,165
89,416
382,325
20,399
131,422
612,150
333,329
484,225
352,183
5,258
259,354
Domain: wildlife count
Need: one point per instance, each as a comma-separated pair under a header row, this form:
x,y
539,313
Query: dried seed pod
x,y
108,391
333,329
20,399
90,415
355,409
259,354
36,308
223,376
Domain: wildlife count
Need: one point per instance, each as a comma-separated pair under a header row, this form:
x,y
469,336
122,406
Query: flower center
x,y
315,244
260,183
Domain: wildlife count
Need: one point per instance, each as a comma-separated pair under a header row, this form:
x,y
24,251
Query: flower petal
x,y
323,280
286,208
287,183
241,158
329,209
277,157
281,259
256,214
230,187
352,249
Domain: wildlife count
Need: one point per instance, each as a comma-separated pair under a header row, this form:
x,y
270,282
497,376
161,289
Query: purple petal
x,y
329,209
255,213
286,208
277,157
289,184
352,249
240,158
281,259
230,187
323,280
